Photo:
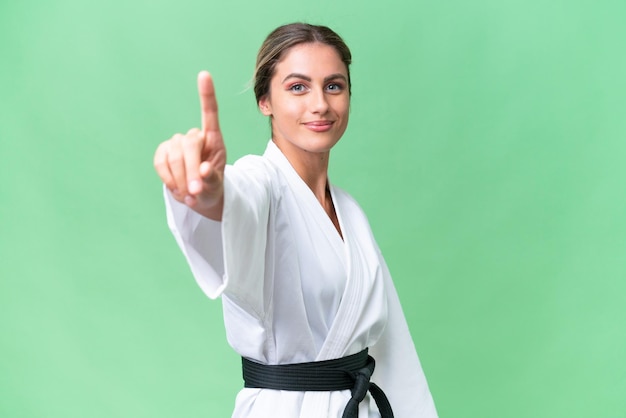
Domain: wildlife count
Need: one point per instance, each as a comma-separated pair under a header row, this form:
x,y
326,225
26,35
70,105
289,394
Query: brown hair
x,y
285,37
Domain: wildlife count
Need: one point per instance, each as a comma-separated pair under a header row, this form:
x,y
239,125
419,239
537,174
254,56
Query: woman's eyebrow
x,y
307,78
335,77
297,75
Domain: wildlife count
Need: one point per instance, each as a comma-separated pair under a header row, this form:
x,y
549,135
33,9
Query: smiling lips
x,y
319,125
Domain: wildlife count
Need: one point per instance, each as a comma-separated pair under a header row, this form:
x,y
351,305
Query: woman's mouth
x,y
319,125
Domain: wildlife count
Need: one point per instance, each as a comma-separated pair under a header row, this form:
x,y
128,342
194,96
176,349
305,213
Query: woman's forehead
x,y
311,59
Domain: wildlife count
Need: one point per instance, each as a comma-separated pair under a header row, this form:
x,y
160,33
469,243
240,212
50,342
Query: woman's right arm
x,y
192,165
227,255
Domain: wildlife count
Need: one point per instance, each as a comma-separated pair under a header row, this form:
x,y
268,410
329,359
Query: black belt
x,y
351,372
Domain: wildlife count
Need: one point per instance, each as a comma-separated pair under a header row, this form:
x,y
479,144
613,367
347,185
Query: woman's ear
x,y
265,107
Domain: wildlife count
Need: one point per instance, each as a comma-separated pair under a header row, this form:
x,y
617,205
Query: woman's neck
x,y
312,167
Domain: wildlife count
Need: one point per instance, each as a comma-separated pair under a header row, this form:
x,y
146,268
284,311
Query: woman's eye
x,y
335,87
297,88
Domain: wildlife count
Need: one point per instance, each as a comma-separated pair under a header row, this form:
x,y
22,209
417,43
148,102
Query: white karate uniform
x,y
293,291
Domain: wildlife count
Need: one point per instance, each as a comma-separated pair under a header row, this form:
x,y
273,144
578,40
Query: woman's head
x,y
283,39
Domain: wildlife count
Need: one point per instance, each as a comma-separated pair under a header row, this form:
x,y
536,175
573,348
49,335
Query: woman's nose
x,y
319,102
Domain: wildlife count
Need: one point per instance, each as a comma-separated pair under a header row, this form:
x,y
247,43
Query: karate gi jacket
x,y
294,291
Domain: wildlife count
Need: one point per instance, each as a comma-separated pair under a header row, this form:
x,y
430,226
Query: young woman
x,y
308,300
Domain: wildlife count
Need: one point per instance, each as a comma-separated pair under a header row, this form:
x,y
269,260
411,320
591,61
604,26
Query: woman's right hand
x,y
192,165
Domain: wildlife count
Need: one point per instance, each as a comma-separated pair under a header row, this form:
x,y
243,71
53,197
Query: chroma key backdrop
x,y
487,144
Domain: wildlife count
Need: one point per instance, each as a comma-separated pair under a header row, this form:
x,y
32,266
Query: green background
x,y
487,146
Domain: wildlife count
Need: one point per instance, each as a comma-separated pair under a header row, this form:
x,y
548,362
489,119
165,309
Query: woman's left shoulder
x,y
348,205
344,198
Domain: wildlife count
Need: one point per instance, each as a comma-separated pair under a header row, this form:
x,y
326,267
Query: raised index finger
x,y
208,103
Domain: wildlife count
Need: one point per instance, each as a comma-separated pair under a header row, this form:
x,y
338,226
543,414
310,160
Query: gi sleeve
x,y
228,257
398,370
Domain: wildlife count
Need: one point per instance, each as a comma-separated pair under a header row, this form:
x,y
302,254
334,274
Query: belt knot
x,y
361,386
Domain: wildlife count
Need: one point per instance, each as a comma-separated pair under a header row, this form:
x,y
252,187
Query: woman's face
x,y
309,99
